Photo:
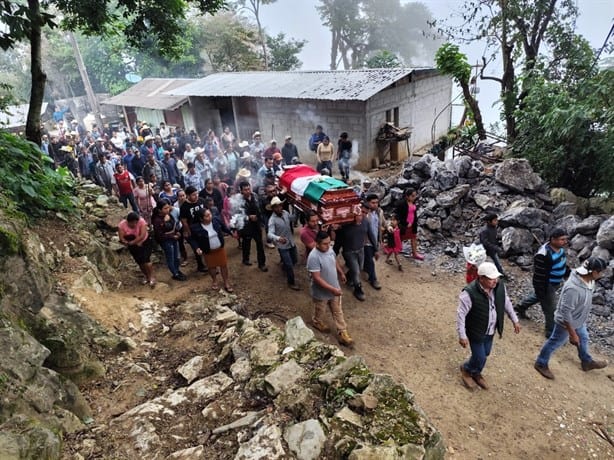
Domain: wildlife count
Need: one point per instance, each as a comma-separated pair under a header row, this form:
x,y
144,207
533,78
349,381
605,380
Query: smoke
x,y
309,116
237,211
354,156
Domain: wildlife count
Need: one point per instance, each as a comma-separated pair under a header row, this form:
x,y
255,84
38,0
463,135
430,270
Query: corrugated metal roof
x,y
17,115
333,85
152,93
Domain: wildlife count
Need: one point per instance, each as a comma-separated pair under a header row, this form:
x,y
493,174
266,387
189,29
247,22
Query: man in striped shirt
x,y
549,269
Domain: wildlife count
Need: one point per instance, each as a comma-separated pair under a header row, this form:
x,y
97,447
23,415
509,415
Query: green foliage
x,y
383,59
566,133
450,61
283,54
26,177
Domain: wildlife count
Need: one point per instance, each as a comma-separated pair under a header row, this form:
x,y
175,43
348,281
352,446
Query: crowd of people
x,y
186,191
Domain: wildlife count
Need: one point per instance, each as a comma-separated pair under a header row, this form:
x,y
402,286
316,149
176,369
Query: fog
x,y
300,20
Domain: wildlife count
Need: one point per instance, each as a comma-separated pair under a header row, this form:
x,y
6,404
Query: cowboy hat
x,y
148,138
276,201
243,144
244,172
246,156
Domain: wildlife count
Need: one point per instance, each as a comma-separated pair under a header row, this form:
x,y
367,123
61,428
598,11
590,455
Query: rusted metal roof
x,y
152,93
333,85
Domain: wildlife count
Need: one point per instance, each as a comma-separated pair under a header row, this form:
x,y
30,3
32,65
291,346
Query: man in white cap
x,y
481,306
289,150
256,148
575,303
280,231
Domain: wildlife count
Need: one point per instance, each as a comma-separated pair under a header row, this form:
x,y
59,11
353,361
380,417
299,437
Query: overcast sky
x,y
299,19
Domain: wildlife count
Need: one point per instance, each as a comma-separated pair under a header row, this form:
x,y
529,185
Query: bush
x,y
28,179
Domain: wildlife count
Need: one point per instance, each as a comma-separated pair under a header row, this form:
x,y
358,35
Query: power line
x,y
607,39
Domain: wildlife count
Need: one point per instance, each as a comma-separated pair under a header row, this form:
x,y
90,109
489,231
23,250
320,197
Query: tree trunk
x,y
256,11
39,78
475,108
334,48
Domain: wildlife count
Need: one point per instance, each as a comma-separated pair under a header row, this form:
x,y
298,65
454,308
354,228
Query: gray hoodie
x,y
575,302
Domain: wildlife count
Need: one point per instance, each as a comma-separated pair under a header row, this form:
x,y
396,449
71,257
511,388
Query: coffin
x,y
330,198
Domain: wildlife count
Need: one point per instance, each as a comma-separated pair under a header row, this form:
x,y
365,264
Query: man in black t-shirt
x,y
188,213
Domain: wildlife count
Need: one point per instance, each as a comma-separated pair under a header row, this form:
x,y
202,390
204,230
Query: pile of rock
x,y
274,395
456,194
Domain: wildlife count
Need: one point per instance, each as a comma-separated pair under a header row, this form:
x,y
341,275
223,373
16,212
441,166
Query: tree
x,y
253,6
520,29
284,53
362,28
154,20
382,60
450,61
565,127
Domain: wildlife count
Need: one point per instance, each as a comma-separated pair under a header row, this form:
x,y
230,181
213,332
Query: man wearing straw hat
x,y
280,232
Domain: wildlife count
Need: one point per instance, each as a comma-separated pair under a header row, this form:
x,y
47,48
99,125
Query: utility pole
x,y
91,96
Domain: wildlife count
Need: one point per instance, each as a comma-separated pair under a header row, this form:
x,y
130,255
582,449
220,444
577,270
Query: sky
x,y
300,20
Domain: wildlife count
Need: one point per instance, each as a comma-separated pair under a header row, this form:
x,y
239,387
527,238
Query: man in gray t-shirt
x,y
325,272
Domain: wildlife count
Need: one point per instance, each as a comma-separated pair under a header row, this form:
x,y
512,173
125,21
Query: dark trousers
x,y
256,235
289,258
125,199
547,300
495,259
369,263
480,349
171,252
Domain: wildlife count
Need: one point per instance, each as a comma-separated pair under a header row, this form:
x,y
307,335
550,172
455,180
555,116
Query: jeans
x,y
369,263
558,338
547,301
325,165
480,349
125,199
171,252
354,261
247,238
495,258
289,258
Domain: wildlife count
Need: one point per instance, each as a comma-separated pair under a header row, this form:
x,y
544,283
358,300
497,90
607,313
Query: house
x,y
148,100
357,101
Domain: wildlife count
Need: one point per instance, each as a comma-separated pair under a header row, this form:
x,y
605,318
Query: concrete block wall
x,y
298,118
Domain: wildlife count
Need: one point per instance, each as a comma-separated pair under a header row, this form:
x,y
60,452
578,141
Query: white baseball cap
x,y
488,270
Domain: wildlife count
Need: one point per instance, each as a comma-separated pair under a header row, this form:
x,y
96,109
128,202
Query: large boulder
x,y
590,225
524,216
452,197
605,235
517,175
516,241
569,224
566,208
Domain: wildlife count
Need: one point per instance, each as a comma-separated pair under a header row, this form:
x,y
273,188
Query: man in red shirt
x,y
123,184
309,232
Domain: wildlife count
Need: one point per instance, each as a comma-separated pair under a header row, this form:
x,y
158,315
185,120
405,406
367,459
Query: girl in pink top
x,y
134,234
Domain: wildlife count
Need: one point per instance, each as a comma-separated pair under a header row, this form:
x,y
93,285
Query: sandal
x,y
400,267
389,261
229,289
144,281
152,283
215,287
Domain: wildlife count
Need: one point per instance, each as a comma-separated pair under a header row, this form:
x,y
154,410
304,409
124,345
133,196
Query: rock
x,y
305,439
451,250
590,225
376,453
452,197
579,242
433,223
338,372
517,175
560,195
265,352
444,179
246,420
241,370
568,223
598,251
102,201
349,416
363,402
566,208
463,165
482,200
605,235
516,241
226,316
521,216
192,369
422,167
183,326
284,377
264,445
21,355
395,194
192,453
33,443
297,334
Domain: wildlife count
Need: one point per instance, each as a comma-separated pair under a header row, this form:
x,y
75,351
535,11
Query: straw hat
x,y
244,173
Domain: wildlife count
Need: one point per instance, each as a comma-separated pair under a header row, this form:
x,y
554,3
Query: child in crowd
x,y
393,244
488,238
474,255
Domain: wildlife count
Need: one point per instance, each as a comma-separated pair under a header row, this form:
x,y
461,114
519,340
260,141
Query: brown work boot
x,y
344,339
467,379
590,365
320,326
544,370
480,381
